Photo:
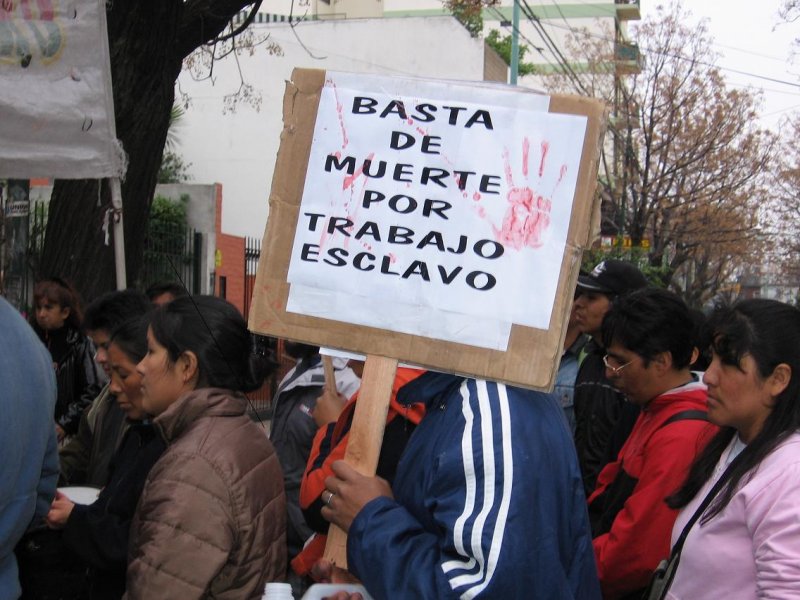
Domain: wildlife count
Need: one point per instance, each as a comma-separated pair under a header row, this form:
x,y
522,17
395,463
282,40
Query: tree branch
x,y
204,20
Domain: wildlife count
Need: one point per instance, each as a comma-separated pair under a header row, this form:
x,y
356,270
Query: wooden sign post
x,y
330,375
366,436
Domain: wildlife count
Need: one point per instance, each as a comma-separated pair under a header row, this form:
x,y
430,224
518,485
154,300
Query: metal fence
x,y
172,253
252,252
261,399
19,280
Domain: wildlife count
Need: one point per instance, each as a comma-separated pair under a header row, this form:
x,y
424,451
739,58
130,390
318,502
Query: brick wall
x,y
228,262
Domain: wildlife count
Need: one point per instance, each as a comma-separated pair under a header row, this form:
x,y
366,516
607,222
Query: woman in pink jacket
x,y
746,544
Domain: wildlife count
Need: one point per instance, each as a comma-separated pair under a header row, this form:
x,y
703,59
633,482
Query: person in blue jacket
x,y
487,502
28,449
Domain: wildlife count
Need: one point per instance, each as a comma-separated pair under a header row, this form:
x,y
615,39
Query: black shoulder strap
x,y
675,554
605,508
686,415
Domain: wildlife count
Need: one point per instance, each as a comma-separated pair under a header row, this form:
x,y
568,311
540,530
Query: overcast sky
x,y
752,39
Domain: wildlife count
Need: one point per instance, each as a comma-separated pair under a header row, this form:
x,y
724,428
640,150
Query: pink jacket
x,y
752,548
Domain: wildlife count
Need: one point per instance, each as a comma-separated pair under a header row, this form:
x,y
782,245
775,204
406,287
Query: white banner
x,y
444,207
56,107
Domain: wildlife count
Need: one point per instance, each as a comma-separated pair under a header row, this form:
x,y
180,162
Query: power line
x,y
530,42
507,25
560,12
534,20
782,110
752,53
611,13
744,85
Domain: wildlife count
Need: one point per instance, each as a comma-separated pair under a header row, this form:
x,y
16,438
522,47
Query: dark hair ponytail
x,y
768,331
216,333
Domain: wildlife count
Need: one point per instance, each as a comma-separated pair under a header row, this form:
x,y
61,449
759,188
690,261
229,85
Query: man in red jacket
x,y
649,343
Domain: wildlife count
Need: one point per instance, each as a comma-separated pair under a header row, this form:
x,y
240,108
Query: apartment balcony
x,y
628,10
628,58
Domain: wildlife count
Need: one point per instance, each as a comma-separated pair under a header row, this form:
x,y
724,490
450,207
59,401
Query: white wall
x,y
239,149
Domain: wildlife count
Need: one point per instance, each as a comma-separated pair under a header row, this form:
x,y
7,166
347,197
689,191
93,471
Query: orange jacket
x,y
330,444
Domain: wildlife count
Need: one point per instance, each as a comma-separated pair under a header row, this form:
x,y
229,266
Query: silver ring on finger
x,y
329,499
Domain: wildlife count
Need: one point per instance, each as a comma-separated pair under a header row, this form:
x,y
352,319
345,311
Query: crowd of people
x,y
670,434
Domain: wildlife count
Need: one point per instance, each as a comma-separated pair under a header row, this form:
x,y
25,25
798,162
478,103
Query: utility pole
x,y
515,43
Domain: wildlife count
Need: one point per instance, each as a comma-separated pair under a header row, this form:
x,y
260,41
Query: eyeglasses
x,y
615,370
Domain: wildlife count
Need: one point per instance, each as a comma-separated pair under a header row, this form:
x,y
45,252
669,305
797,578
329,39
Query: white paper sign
x,y
56,107
450,199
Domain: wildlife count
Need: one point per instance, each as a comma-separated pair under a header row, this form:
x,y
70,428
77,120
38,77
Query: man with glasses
x,y
649,347
598,405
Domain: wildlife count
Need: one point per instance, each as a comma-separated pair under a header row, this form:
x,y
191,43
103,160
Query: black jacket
x,y
86,457
98,532
293,429
599,429
78,377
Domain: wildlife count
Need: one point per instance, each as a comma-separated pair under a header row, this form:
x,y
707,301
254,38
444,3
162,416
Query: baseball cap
x,y
614,277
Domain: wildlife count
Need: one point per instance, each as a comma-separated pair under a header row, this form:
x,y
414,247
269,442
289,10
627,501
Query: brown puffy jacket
x,y
211,521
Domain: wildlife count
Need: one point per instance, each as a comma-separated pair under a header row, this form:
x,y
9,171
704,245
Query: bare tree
x,y
790,10
684,169
783,218
148,40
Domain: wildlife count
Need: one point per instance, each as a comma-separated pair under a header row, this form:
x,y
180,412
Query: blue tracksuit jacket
x,y
488,502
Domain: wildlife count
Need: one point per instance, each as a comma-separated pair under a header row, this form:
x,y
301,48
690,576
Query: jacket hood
x,y
694,392
191,406
427,387
309,372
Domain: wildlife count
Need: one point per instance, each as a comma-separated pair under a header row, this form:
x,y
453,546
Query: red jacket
x,y
657,456
330,444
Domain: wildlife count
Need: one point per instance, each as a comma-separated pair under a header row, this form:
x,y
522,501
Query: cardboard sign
x,y
438,223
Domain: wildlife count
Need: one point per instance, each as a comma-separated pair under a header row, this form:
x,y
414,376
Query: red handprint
x,y
528,214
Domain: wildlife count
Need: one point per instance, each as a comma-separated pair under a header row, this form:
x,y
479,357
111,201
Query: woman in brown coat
x,y
211,519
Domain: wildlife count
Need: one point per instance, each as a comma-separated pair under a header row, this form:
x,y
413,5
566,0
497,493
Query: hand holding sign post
x,y
366,435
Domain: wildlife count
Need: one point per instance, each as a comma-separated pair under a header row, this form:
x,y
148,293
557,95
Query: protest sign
x,y
438,223
56,107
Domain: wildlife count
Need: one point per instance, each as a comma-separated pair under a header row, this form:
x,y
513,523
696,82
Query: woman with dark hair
x,y
98,533
746,543
211,521
57,322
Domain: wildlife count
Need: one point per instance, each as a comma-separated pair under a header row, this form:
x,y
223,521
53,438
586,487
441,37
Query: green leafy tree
x,y
655,274
167,244
167,212
173,169
502,45
469,13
